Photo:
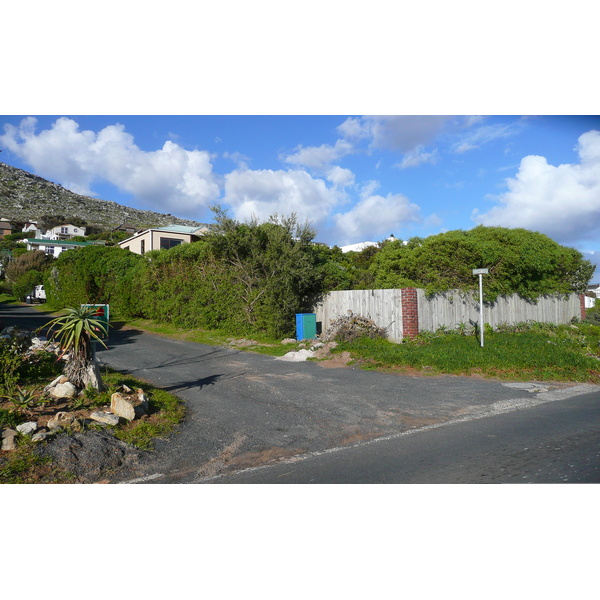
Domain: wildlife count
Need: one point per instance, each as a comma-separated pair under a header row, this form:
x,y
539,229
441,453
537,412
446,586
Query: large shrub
x,y
519,261
96,275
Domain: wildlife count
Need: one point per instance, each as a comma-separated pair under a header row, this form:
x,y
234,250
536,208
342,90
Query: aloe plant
x,y
75,331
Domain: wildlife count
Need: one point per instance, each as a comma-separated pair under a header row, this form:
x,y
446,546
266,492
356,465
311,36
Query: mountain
x,y
26,197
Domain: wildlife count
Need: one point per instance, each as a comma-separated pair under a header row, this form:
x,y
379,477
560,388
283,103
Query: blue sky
x,y
355,178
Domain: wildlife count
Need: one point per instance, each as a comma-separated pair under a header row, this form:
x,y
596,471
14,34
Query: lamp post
x,y
481,273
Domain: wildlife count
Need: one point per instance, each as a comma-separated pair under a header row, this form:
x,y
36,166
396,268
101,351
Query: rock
x,y
40,436
122,407
131,406
105,417
27,428
143,400
124,388
63,390
8,439
297,356
60,419
8,433
288,341
93,377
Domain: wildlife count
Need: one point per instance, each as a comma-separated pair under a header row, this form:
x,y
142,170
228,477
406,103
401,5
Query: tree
x,y
75,331
270,269
35,259
521,262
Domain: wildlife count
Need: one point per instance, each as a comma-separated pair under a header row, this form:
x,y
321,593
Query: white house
x,y
64,232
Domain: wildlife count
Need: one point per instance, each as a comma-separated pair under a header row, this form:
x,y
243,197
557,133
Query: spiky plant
x,y
75,331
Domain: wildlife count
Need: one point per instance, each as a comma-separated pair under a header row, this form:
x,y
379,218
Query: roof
x,y
181,229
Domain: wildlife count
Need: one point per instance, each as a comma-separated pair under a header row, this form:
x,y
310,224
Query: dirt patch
x,y
216,465
89,456
337,360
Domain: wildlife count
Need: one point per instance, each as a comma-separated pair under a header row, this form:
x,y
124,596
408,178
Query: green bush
x,y
26,282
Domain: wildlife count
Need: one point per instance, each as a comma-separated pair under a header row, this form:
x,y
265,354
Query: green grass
x,y
213,337
559,354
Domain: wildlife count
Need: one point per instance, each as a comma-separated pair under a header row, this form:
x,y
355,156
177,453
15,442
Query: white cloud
x,y
319,157
397,133
340,177
485,134
562,202
419,156
169,179
261,193
376,216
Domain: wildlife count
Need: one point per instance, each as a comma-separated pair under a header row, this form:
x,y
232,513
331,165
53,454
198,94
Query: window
x,y
64,230
166,243
49,250
143,246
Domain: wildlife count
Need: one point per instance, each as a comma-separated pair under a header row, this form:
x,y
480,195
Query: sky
x,y
355,178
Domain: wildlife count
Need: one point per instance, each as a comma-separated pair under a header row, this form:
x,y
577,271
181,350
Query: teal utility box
x,y
306,326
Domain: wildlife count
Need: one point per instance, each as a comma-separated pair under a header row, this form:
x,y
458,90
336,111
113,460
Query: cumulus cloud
x,y
375,216
261,193
171,178
561,201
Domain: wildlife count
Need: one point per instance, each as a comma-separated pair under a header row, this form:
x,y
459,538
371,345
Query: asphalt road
x,y
558,442
246,410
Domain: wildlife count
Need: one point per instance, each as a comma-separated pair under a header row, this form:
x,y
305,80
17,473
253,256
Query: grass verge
x,y
558,353
214,337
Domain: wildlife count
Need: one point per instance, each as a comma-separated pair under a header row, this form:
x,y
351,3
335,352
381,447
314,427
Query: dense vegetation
x,y
519,261
253,277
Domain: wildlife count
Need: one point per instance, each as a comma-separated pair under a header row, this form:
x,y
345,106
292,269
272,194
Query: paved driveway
x,y
245,409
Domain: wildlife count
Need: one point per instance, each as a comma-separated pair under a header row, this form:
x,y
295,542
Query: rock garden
x,y
56,430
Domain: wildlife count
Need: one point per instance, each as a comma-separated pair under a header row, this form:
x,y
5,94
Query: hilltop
x,y
25,197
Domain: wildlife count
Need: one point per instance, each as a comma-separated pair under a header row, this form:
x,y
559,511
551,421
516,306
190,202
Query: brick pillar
x,y
582,306
410,312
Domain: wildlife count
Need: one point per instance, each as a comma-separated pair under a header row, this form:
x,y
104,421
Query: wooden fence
x,y
405,312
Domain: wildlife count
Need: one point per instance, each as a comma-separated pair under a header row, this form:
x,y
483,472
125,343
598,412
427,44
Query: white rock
x,y
120,406
40,436
61,419
105,417
297,356
63,390
8,443
27,428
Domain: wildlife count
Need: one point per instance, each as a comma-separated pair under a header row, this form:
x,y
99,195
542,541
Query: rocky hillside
x,y
24,197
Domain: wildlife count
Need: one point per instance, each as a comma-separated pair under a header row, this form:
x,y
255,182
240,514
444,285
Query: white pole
x,y
481,307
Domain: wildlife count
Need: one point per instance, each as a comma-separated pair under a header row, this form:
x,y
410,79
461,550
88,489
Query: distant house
x,y
65,232
55,247
32,228
162,238
6,228
126,227
594,289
